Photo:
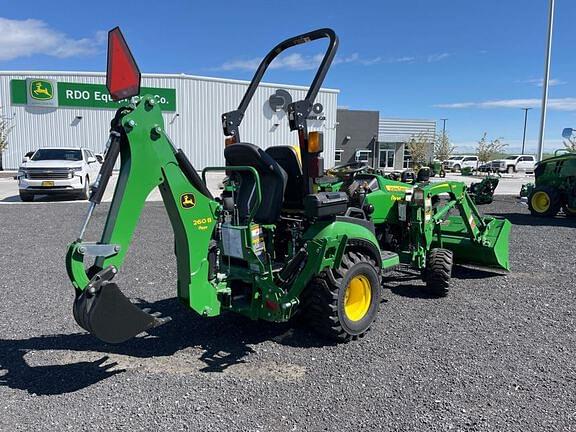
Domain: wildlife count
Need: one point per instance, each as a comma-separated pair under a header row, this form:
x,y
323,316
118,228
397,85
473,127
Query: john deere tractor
x,y
273,245
554,188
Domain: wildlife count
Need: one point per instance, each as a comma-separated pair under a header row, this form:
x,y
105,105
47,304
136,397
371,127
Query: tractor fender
x,y
347,232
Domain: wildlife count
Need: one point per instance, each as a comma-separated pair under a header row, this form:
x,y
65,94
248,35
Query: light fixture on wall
x,y
76,120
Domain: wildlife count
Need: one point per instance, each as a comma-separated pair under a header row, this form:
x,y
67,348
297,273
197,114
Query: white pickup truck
x,y
59,170
514,163
456,163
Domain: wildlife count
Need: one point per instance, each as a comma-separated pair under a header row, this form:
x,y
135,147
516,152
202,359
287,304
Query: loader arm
x,y
149,160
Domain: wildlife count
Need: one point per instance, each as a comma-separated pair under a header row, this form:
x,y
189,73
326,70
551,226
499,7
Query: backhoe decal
x,y
187,200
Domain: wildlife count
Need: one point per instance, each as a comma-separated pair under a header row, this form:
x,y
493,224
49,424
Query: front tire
x,y
544,201
26,197
343,305
456,168
510,169
438,271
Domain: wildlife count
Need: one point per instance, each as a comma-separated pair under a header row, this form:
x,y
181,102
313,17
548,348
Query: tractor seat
x,y
287,158
272,182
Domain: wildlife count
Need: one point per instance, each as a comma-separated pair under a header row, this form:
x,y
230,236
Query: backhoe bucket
x,y
491,253
110,316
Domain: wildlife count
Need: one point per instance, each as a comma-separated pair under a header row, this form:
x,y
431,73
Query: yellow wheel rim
x,y
540,202
357,298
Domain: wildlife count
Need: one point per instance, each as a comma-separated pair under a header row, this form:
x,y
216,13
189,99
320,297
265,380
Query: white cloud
x,y
298,61
304,62
437,57
558,104
295,61
539,82
24,38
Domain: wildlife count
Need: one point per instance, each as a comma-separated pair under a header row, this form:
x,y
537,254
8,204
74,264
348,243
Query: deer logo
x,y
187,200
41,90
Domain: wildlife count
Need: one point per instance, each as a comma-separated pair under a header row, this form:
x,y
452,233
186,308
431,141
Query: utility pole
x,y
546,79
444,126
525,122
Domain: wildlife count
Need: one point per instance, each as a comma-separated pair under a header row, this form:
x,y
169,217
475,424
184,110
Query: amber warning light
x,y
122,75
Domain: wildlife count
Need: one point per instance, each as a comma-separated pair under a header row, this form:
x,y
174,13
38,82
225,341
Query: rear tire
x,y
343,305
26,197
438,271
544,201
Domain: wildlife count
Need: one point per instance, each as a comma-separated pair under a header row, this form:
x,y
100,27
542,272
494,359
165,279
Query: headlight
x,y
76,169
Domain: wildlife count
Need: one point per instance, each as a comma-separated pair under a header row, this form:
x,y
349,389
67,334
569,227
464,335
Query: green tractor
x,y
554,188
429,225
273,245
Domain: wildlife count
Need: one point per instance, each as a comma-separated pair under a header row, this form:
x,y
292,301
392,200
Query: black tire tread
x,y
439,271
320,299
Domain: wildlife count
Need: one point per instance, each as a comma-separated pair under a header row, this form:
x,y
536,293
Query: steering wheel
x,y
348,169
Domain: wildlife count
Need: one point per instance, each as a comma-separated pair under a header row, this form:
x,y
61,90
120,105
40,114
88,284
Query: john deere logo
x,y
187,200
41,90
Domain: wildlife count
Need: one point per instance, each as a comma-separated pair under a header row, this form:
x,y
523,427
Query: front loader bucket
x,y
491,253
110,316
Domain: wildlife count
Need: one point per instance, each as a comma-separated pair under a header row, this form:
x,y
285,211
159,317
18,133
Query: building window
x,y
363,155
338,155
387,155
407,158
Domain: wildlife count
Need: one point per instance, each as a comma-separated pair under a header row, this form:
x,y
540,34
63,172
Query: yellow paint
x,y
540,201
394,188
357,298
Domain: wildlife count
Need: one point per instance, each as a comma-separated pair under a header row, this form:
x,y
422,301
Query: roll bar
x,y
297,111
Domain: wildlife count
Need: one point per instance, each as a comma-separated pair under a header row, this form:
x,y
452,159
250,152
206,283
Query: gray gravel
x,y
497,354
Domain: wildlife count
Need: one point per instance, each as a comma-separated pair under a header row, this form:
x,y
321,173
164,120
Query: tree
x,y
487,150
570,143
419,149
4,131
443,149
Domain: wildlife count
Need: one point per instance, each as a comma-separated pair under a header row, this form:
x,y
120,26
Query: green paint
x,y
88,95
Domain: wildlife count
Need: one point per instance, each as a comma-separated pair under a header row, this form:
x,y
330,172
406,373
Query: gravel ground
x,y
497,354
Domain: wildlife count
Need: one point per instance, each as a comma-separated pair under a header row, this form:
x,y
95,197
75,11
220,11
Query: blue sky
x,y
475,62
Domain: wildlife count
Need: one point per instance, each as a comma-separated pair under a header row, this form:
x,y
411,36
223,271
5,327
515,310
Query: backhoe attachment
x,y
147,160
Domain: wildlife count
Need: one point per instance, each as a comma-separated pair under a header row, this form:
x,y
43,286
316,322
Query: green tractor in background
x,y
274,244
429,225
554,188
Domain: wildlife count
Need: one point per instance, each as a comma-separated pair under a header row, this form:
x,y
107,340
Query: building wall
x,y
195,126
356,130
399,131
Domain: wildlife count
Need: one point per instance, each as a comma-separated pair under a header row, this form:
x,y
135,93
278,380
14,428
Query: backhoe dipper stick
x,y
112,151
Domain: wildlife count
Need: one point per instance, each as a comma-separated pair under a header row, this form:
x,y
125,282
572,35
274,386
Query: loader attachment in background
x,y
490,250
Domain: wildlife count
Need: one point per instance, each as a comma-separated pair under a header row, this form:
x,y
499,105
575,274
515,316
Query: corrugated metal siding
x,y
197,130
401,130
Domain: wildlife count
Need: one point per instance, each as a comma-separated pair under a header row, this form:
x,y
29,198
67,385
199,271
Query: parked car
x,y
59,170
456,163
514,163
